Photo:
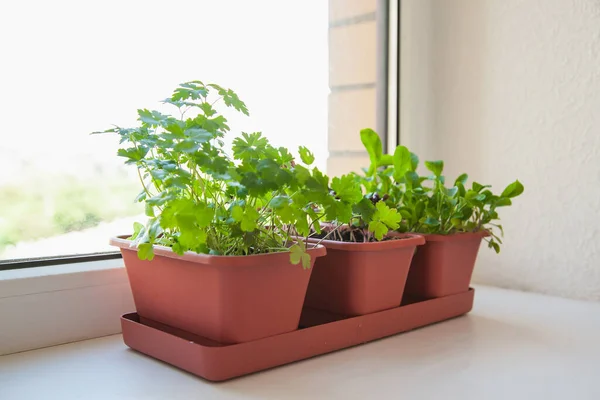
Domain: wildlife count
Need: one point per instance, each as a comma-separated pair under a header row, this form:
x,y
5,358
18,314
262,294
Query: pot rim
x,y
123,243
406,240
434,237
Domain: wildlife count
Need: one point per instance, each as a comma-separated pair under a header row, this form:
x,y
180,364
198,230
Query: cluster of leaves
x,y
366,216
425,203
259,200
198,198
366,219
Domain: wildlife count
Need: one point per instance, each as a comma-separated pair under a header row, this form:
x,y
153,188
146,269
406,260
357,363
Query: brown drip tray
x,y
319,333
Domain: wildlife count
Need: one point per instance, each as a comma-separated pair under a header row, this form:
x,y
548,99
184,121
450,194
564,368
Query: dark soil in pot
x,y
352,236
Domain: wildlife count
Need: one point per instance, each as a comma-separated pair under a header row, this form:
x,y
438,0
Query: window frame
x,y
10,264
392,74
48,301
387,119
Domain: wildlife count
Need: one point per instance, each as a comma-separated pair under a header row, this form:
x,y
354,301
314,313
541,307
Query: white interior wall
x,y
511,89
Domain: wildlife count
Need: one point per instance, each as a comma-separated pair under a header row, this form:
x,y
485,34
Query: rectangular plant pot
x,y
361,278
319,333
228,299
444,265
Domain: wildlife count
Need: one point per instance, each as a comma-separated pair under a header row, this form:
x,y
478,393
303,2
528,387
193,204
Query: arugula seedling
x,y
425,204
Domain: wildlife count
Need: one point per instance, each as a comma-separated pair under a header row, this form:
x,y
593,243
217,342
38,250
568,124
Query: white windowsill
x,y
512,345
56,277
57,304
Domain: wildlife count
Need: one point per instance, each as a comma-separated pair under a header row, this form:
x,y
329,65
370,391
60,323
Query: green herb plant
x,y
199,198
361,219
425,203
361,214
387,173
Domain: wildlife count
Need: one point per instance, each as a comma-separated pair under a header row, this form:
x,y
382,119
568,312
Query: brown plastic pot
x,y
361,278
444,265
228,299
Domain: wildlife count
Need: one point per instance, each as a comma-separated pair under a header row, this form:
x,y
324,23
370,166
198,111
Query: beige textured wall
x,y
352,72
511,89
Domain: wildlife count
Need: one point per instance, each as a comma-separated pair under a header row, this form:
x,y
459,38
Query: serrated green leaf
x,y
207,108
296,252
175,128
249,219
280,201
302,226
302,174
347,188
318,181
154,229
249,146
379,229
285,157
286,214
204,215
336,210
152,118
141,197
158,174
178,248
145,251
133,154
149,210
185,92
365,209
299,255
305,261
237,213
306,156
198,135
161,198
187,146
389,216
192,238
137,229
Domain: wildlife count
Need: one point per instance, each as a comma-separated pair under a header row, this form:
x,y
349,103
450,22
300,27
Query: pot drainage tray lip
x,y
319,333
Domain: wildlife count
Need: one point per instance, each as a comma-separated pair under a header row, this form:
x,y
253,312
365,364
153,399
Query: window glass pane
x,y
68,68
